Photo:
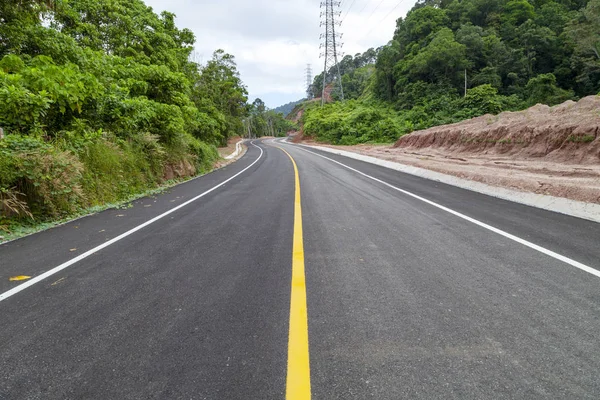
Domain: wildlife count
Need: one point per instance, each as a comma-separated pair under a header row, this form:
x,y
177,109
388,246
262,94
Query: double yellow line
x,y
298,366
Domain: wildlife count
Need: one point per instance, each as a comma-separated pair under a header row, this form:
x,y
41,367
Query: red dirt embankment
x,y
569,132
544,150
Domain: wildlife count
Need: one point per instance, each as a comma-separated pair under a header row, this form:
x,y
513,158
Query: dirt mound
x,y
569,132
545,150
298,116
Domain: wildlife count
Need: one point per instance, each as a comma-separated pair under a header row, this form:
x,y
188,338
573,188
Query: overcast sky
x,y
273,40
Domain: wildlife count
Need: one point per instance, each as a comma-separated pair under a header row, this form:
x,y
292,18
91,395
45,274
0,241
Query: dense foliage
x,y
513,54
99,101
351,122
355,71
262,122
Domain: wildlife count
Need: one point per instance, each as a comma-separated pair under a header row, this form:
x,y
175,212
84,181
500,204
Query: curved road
x,y
415,290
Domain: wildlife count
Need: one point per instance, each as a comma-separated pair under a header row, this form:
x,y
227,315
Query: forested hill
x,y
505,44
99,102
514,54
287,108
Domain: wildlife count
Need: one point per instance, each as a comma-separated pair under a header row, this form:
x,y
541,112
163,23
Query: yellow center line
x,y
298,366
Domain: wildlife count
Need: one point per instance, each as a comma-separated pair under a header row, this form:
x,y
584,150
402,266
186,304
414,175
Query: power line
x,y
393,9
373,12
348,10
384,18
363,9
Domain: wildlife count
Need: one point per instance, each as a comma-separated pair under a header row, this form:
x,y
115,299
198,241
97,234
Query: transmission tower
x,y
309,82
331,45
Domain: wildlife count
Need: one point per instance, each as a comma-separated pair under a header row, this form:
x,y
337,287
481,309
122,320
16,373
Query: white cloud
x,y
273,40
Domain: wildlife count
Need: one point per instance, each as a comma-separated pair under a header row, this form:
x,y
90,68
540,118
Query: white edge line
x,y
88,253
507,235
574,208
166,187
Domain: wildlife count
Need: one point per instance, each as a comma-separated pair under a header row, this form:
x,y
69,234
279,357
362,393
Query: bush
x,y
206,154
483,99
83,168
114,172
543,89
352,122
21,110
356,121
92,116
49,179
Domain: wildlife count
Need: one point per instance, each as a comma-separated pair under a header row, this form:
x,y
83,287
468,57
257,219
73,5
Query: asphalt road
x,y
406,299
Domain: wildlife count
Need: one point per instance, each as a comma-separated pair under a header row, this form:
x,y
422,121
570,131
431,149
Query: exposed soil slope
x,y
545,150
569,132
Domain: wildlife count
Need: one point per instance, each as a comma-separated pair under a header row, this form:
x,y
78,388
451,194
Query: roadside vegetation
x,y
514,53
99,102
263,122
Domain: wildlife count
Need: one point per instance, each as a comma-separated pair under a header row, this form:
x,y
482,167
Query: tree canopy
x,y
264,122
497,42
106,90
513,54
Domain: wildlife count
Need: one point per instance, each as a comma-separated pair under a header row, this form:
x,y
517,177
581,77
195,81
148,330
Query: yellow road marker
x,y
19,278
298,366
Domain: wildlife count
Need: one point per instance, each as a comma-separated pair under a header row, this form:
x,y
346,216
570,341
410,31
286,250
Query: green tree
x,y
543,89
473,38
356,82
265,122
127,28
99,101
515,52
517,12
220,82
443,60
584,31
420,23
385,81
483,99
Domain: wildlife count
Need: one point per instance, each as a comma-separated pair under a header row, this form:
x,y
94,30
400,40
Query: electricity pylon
x,y
331,45
309,82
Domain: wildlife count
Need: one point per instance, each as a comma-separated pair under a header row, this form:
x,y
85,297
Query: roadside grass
x,y
46,183
581,139
17,228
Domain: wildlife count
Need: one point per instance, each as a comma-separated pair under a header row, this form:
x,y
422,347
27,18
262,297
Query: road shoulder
x,y
589,211
64,242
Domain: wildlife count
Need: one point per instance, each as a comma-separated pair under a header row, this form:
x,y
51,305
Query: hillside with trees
x,y
98,99
287,108
511,54
262,122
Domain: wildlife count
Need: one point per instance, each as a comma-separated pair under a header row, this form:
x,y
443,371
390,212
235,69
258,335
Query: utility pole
x,y
309,82
331,44
465,83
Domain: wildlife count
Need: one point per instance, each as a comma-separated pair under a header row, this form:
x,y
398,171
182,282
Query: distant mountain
x,y
287,108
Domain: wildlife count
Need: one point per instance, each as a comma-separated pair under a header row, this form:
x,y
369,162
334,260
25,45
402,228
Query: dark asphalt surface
x,y
404,300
